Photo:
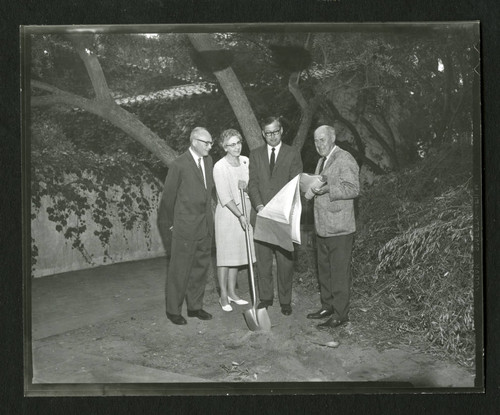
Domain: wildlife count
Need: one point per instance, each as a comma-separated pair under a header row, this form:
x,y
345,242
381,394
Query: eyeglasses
x,y
272,133
207,143
238,143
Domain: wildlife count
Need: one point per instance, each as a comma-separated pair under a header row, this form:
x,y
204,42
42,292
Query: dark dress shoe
x,y
264,304
324,312
286,309
201,314
176,319
331,323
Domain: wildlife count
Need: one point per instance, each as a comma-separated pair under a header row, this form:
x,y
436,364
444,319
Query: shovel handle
x,y
249,249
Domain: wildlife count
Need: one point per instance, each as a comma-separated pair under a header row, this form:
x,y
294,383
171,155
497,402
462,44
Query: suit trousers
x,y
284,261
187,274
334,272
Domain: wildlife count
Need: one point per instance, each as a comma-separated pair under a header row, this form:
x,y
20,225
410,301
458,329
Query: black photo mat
x,y
149,398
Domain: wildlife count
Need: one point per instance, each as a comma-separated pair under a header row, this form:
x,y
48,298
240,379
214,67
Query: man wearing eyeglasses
x,y
272,166
186,225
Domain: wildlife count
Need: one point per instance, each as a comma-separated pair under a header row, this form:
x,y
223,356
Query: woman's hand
x,y
243,222
242,184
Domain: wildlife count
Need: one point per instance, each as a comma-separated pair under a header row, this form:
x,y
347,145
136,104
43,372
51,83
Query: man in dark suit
x,y
185,221
335,226
271,167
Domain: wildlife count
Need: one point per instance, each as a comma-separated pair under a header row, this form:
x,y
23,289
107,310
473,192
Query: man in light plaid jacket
x,y
335,226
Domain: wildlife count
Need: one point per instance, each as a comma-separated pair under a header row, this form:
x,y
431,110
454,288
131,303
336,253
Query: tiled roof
x,y
172,93
320,72
200,88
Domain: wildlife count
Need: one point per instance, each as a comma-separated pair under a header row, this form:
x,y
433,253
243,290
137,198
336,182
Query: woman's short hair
x,y
227,134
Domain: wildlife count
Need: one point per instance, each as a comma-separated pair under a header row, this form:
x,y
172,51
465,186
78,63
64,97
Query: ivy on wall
x,y
83,184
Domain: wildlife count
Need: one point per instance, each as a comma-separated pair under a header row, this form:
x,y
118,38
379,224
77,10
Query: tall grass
x,y
415,240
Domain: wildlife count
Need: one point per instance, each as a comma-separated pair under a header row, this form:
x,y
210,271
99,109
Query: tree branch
x,y
361,157
111,112
341,85
378,137
46,87
82,45
331,110
389,128
59,96
459,105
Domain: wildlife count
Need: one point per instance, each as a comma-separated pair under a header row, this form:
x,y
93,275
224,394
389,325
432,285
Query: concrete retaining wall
x,y
56,253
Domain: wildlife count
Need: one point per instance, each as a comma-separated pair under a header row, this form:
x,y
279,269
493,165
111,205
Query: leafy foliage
x,y
78,181
406,71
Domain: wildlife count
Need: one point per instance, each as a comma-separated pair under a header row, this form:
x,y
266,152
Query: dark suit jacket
x,y
185,203
262,187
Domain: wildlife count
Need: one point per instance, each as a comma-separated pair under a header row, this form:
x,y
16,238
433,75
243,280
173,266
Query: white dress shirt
x,y
276,151
329,154
202,162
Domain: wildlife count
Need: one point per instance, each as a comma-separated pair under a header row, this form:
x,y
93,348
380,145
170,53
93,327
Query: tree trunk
x,y
234,92
92,64
305,123
293,87
308,107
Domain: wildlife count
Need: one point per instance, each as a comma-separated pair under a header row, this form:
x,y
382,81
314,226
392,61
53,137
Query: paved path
x,y
76,299
106,325
66,302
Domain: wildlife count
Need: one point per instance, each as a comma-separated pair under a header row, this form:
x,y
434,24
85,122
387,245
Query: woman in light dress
x,y
230,174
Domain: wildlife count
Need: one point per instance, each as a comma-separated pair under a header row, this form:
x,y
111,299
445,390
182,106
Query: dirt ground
x,y
108,325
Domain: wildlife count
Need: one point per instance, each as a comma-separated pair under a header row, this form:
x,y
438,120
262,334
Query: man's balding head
x,y
324,139
201,134
201,141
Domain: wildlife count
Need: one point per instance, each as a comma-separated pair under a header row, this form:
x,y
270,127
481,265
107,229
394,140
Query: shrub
x,y
413,255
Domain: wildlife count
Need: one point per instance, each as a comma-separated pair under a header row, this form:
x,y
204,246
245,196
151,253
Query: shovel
x,y
256,318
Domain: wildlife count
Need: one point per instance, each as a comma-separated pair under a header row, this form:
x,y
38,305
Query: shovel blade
x,y
251,319
263,319
257,319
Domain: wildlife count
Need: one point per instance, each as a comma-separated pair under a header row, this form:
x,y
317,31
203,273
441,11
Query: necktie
x,y
321,164
272,161
201,170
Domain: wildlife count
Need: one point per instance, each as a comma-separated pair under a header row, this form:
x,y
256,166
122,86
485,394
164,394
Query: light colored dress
x,y
229,235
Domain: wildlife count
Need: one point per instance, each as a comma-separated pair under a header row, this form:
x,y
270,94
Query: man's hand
x,y
318,191
259,208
